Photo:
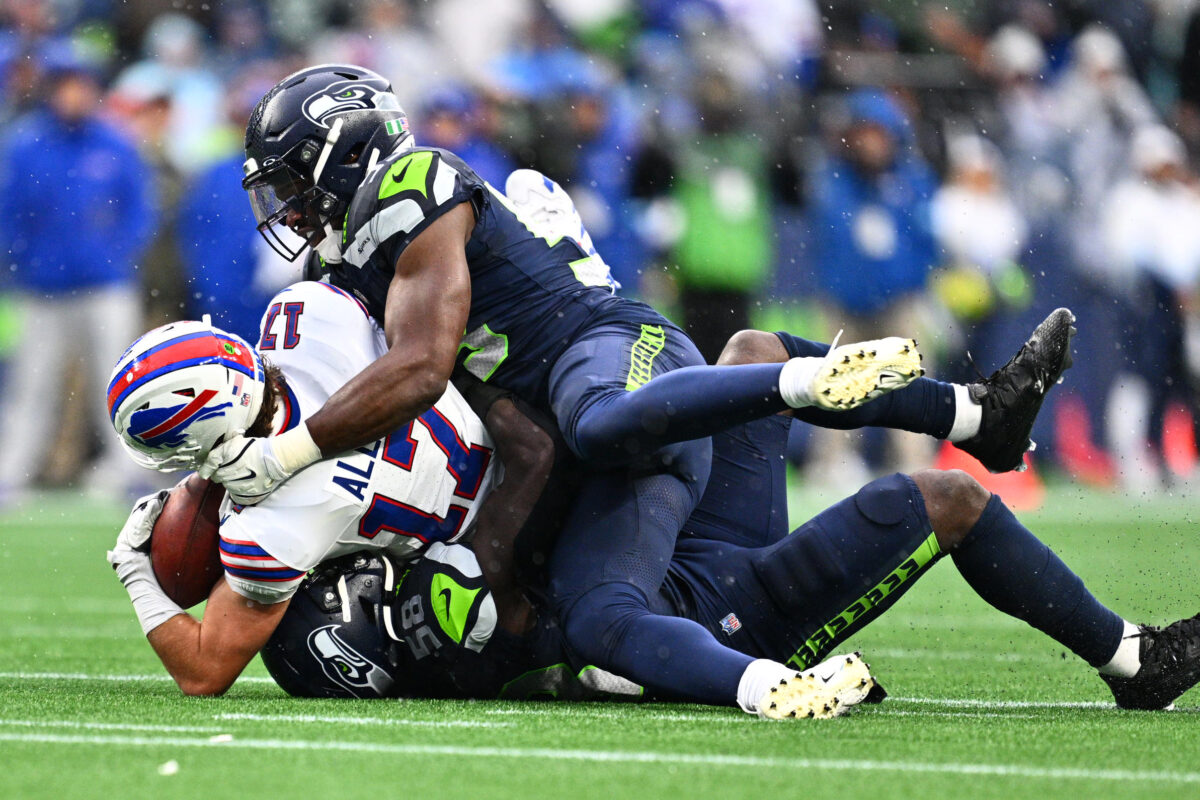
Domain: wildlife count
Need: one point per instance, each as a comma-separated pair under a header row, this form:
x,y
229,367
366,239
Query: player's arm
x,y
427,306
528,453
206,656
426,313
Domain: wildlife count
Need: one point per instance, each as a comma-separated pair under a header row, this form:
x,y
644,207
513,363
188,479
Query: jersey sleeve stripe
x,y
280,573
235,547
261,578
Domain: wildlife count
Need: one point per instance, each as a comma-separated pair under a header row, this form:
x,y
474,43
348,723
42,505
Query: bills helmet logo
x,y
344,96
346,666
168,427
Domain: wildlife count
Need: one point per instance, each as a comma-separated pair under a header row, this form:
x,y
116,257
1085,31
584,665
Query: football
x,y
184,544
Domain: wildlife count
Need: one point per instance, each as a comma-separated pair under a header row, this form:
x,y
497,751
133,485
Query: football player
x,y
433,251
182,388
364,627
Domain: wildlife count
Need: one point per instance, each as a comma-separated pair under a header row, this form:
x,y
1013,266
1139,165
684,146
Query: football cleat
x,y
1012,396
1170,666
828,690
853,374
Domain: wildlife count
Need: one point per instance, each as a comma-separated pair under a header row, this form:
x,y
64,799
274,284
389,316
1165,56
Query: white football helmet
x,y
182,389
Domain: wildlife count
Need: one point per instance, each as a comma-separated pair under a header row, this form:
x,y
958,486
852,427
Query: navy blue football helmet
x,y
309,143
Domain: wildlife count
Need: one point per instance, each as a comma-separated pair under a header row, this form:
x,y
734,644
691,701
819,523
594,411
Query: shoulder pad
x,y
401,196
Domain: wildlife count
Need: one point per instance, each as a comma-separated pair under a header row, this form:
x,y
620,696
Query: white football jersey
x,y
422,484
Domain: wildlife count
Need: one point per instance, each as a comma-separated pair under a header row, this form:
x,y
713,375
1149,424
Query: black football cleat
x,y
1013,395
1170,666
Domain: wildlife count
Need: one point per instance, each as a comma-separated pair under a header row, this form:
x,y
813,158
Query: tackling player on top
x,y
434,252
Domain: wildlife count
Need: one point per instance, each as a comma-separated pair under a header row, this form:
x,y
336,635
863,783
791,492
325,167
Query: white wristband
x,y
150,603
295,449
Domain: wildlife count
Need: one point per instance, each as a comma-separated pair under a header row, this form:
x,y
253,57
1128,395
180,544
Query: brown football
x,y
184,545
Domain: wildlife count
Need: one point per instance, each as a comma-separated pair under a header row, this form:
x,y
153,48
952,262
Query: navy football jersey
x,y
530,296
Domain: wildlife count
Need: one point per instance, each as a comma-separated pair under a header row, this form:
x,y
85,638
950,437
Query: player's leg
x,y
610,560
991,419
624,390
1010,568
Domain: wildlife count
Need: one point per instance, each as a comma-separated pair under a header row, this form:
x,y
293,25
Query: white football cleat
x,y
827,690
853,374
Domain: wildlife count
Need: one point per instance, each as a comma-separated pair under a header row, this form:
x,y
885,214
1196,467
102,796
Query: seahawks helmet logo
x,y
344,96
346,666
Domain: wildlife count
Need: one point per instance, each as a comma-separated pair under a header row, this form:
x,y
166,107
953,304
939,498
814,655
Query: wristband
x,y
295,449
150,603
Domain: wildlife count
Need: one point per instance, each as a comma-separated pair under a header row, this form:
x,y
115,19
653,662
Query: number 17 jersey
x,y
419,485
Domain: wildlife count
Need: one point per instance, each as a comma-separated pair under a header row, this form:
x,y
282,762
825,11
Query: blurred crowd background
x,y
951,170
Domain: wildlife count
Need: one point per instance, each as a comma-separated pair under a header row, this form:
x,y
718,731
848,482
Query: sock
x,y
968,415
758,679
1126,662
1016,573
924,406
796,381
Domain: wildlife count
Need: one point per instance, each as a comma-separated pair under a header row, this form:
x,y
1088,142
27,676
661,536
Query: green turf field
x,y
981,706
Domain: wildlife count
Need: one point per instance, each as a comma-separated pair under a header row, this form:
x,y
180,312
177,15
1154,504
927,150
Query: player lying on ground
x,y
432,251
427,629
182,388
420,485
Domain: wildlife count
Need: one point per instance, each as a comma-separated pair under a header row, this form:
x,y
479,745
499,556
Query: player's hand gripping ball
x,y
184,544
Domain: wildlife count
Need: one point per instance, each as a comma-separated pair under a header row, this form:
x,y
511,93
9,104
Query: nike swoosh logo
x,y
250,475
445,595
826,679
399,177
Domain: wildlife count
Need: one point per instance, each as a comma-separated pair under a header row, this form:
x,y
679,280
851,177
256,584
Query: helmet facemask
x,y
283,197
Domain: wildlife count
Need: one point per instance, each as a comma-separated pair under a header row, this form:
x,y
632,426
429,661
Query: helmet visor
x,y
275,191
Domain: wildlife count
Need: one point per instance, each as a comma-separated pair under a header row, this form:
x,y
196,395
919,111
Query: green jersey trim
x,y
641,357
840,626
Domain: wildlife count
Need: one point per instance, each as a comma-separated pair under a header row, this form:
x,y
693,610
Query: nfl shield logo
x,y
731,624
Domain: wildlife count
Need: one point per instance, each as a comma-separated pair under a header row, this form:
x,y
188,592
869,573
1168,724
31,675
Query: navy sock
x,y
924,406
683,404
1011,569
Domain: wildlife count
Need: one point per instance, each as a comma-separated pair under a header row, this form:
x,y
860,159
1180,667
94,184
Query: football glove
x,y
134,538
130,557
252,468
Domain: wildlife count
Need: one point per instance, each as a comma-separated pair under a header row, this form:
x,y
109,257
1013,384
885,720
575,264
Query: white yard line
x,y
312,718
107,726
87,676
618,756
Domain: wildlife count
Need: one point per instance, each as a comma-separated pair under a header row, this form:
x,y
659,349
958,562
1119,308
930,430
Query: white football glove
x,y
130,557
252,468
133,542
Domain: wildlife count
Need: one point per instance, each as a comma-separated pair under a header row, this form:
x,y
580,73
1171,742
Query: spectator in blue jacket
x,y
873,238
871,218
75,213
